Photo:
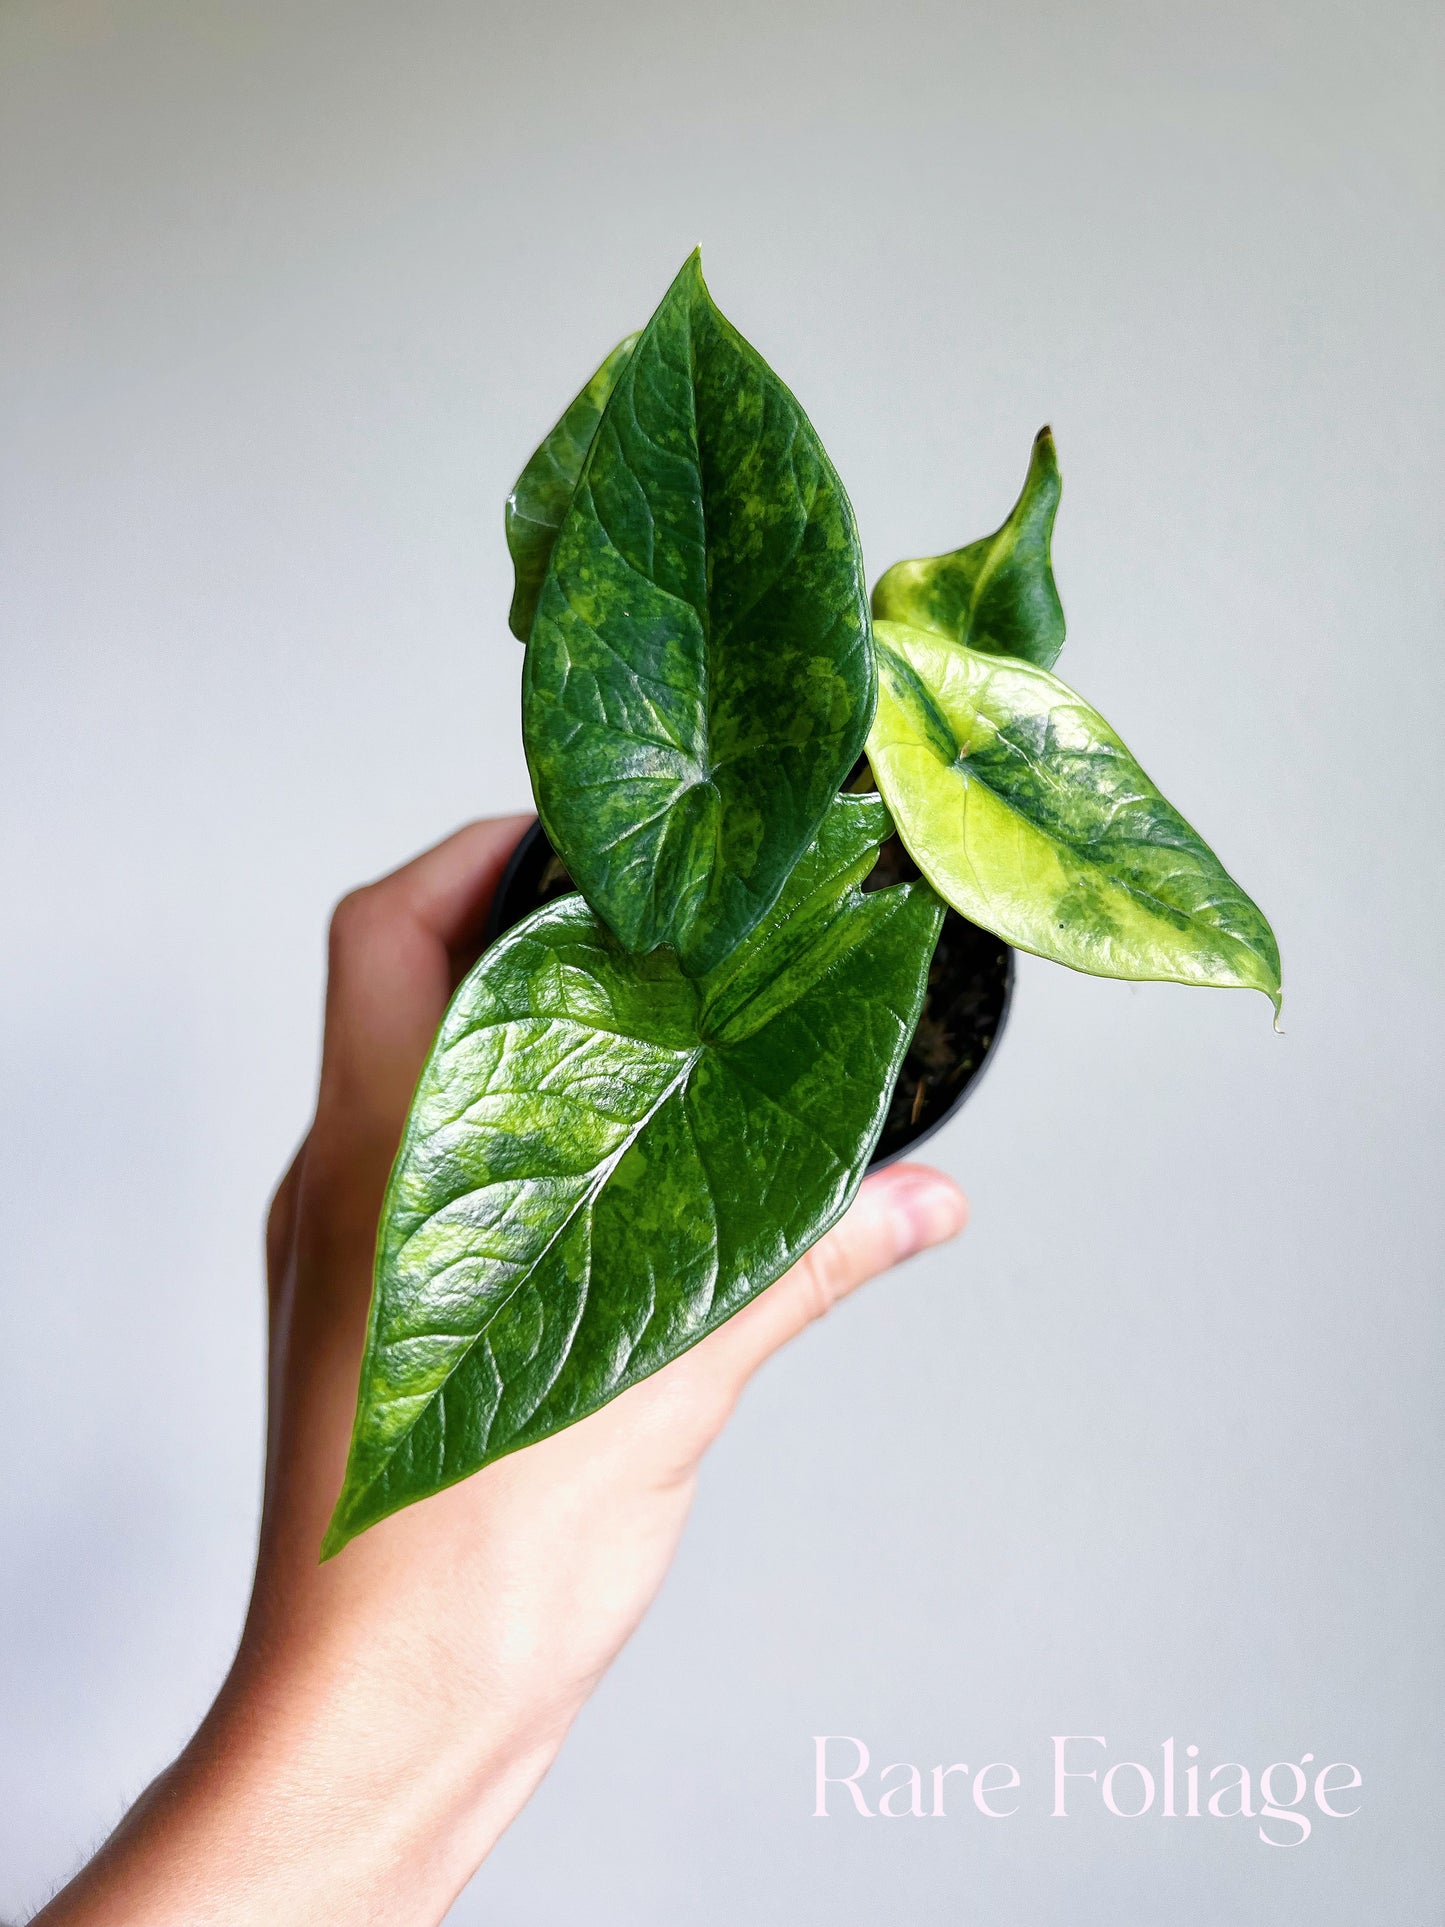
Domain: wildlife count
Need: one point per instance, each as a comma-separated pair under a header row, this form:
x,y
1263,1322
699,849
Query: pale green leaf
x,y
1026,812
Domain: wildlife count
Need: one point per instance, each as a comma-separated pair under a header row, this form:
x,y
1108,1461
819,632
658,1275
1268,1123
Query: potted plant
x,y
657,1089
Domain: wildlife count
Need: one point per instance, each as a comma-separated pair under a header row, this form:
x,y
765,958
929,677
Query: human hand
x,y
389,1712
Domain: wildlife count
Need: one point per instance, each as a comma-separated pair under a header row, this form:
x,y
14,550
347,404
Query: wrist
x,y
312,1800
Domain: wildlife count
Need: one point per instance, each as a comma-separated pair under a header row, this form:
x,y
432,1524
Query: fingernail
x,y
927,1210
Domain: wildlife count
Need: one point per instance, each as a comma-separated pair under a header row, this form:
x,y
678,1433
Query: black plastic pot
x,y
970,983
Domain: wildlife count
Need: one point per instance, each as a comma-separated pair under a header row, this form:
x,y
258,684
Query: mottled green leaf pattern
x,y
1023,808
699,678
606,1158
997,595
537,504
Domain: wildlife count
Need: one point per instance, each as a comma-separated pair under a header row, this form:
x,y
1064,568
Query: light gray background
x,y
290,294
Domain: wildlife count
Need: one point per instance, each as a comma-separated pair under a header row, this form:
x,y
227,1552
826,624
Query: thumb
x,y
896,1213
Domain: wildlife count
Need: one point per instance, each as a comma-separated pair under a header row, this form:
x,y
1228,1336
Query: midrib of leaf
x,y
585,1201
1159,906
833,936
998,547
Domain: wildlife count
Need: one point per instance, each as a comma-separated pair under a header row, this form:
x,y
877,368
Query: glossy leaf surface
x,y
1023,808
699,678
538,503
997,595
606,1159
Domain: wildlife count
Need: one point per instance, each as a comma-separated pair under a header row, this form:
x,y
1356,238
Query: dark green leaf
x,y
699,679
537,504
1023,808
605,1159
998,594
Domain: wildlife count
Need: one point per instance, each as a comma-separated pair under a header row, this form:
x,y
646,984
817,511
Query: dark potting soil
x,y
964,1007
970,982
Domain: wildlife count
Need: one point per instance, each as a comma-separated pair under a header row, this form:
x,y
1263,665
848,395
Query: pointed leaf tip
x,y
699,677
998,594
336,1536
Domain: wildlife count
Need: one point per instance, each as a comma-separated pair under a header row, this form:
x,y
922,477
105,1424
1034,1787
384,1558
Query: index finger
x,y
395,950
